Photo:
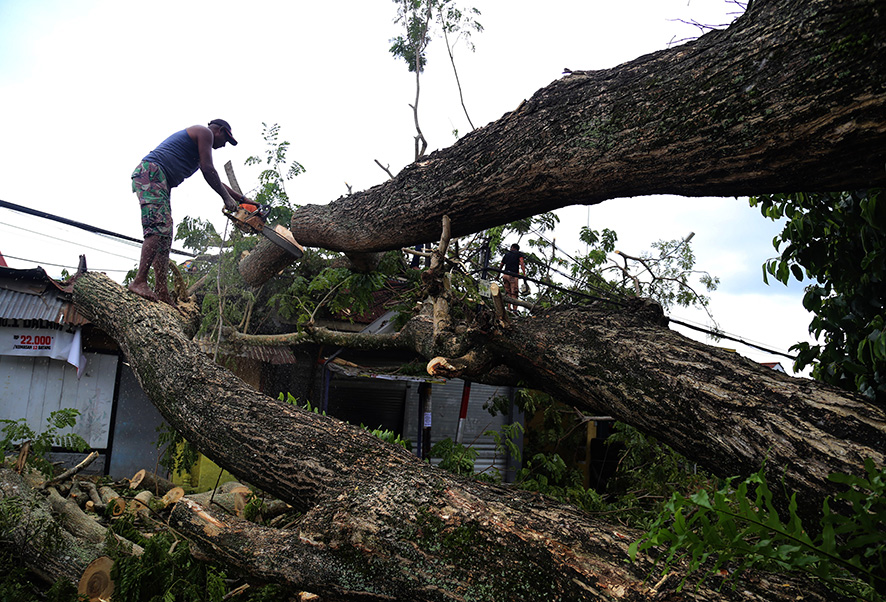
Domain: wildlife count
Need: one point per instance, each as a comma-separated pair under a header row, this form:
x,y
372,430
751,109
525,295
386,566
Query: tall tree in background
x,y
417,17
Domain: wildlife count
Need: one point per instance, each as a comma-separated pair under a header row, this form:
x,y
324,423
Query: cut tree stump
x,y
96,583
150,481
140,505
172,496
112,498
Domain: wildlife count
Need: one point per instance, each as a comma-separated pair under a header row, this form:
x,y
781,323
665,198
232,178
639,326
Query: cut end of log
x,y
439,366
137,478
173,495
117,506
96,583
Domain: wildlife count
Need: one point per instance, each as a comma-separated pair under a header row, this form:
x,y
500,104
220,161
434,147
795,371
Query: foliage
x,y
455,457
648,473
390,436
43,442
166,571
197,234
506,439
838,240
663,275
178,455
271,189
548,473
295,401
737,527
417,18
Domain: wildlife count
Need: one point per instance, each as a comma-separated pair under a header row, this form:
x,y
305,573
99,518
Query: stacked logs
x,y
86,506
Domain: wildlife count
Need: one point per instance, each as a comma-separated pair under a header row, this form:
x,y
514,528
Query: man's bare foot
x,y
143,290
165,298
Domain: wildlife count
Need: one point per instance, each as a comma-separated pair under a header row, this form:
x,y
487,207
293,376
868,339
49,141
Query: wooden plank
x,y
229,169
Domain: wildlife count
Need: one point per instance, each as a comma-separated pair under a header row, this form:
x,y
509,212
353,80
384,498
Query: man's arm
x,y
522,266
203,136
240,198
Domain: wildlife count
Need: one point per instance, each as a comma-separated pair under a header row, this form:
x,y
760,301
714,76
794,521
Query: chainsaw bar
x,y
290,246
250,219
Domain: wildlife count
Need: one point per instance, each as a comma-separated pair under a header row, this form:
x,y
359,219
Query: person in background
x,y
510,264
173,161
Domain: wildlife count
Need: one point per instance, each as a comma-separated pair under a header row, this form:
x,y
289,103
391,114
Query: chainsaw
x,y
249,218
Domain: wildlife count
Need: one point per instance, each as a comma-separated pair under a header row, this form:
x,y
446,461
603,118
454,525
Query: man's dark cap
x,y
226,127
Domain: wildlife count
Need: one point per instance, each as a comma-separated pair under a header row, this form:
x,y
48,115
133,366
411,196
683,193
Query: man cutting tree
x,y
164,168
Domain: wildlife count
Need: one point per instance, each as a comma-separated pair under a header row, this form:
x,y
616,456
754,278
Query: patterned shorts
x,y
149,185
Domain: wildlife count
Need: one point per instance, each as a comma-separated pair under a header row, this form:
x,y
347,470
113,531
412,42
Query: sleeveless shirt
x,y
177,156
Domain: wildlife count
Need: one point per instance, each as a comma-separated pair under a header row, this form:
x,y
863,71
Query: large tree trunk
x,y
729,414
790,97
31,530
377,523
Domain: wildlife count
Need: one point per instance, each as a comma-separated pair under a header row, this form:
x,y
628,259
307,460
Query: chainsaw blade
x,y
283,240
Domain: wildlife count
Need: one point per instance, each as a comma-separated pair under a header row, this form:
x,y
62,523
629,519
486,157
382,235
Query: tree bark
x,y
729,414
154,483
377,522
789,98
48,551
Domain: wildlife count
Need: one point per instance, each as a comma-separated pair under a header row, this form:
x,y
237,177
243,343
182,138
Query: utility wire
x,y
713,333
81,225
57,265
101,231
68,242
574,280
721,335
560,288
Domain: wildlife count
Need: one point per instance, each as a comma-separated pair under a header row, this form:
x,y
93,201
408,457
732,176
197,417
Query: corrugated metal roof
x,y
268,355
15,305
33,295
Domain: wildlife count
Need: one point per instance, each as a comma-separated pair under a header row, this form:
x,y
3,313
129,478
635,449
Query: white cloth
x,y
43,342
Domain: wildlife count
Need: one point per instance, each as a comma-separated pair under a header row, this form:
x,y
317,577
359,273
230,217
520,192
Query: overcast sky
x,y
87,88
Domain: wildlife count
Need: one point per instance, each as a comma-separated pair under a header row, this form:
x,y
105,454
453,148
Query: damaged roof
x,y
33,295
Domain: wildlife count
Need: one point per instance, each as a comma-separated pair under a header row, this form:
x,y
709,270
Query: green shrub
x,y
737,527
42,443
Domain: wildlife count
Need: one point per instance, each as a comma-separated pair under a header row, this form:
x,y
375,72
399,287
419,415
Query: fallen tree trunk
x,y
729,414
377,523
419,534
790,97
31,531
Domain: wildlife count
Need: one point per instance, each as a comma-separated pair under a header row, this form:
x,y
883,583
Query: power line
x,y
57,265
713,333
721,335
68,242
81,225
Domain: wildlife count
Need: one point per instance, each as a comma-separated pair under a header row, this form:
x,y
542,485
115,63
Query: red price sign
x,y
34,340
